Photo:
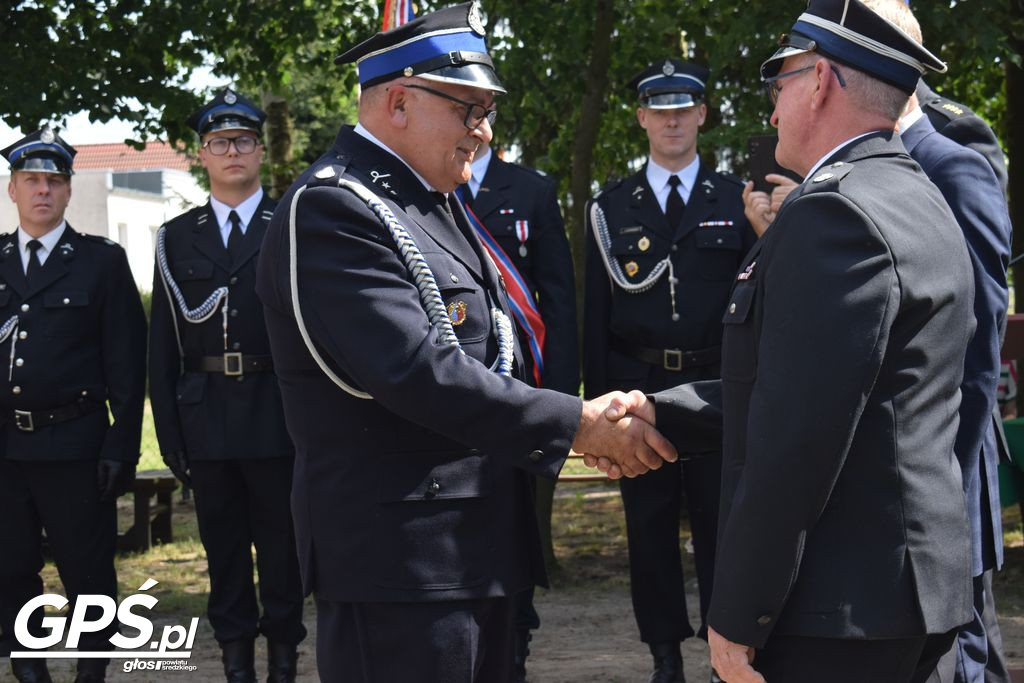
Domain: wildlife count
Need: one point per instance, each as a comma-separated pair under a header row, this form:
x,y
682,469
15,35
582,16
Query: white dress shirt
x,y
657,178
245,211
49,241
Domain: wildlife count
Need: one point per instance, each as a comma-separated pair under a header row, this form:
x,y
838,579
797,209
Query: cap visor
x,y
771,66
670,100
473,75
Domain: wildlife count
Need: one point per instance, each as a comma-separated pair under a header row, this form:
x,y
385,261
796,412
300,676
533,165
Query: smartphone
x,y
761,161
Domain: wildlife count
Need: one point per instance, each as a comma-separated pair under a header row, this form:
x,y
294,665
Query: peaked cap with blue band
x,y
670,84
446,45
227,111
852,34
42,151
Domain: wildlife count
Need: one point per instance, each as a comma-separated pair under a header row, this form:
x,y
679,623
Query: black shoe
x,y
282,662
30,670
520,653
239,661
668,663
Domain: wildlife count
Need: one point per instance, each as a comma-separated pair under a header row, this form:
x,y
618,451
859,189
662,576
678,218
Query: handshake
x,y
617,435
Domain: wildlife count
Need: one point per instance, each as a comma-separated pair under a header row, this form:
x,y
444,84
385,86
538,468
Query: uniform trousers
x,y
653,503
62,498
800,659
457,641
977,654
239,504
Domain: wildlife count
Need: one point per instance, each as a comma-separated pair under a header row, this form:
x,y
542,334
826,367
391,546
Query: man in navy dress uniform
x,y
397,359
844,548
518,207
662,248
73,329
216,403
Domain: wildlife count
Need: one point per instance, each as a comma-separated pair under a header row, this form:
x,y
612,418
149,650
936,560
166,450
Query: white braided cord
x,y
6,330
203,311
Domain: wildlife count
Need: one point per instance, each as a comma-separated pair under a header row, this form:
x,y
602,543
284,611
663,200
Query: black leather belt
x,y
232,364
670,359
31,420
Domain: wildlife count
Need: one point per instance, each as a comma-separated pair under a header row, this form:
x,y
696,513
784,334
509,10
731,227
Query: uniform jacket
x,y
973,193
422,492
511,193
210,415
706,249
964,127
81,336
842,505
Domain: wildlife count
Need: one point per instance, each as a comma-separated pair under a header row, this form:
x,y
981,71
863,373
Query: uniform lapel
x,y
253,238
11,270
643,205
702,202
492,194
208,241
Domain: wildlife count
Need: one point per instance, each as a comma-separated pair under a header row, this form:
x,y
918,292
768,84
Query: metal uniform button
x,y
536,456
66,301
764,620
455,278
19,362
85,392
732,308
233,281
675,247
234,312
16,390
236,346
23,334
240,379
434,487
24,308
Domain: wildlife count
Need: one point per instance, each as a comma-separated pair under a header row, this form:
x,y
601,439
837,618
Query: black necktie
x,y
34,266
675,205
235,236
442,199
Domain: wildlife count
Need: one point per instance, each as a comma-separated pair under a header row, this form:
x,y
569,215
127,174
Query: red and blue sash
x,y
520,299
396,13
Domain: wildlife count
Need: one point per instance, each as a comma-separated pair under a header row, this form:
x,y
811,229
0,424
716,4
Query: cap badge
x,y
643,244
668,68
475,21
632,268
47,136
230,97
457,312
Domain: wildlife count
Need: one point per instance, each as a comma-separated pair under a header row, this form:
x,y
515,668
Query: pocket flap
x,y
714,238
740,304
5,298
420,477
193,270
643,243
65,299
191,388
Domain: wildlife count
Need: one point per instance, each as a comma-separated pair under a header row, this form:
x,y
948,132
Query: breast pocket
x,y
739,348
718,252
638,253
465,300
66,311
186,271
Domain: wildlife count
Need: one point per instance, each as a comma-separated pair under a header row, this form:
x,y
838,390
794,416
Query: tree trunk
x,y
591,109
1015,189
278,133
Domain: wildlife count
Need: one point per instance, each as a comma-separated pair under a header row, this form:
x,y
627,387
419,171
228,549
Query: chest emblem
x,y
632,268
643,244
457,312
748,272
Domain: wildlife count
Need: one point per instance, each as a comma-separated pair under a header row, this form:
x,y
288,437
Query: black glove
x,y
114,478
177,463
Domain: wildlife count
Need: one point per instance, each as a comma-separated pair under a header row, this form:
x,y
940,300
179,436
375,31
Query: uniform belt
x,y
232,364
31,420
670,359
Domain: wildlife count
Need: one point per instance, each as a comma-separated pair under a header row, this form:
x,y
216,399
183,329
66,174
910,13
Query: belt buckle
x,y
23,420
233,364
673,359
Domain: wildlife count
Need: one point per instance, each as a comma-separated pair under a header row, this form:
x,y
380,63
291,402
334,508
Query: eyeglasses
x,y
772,82
244,144
475,113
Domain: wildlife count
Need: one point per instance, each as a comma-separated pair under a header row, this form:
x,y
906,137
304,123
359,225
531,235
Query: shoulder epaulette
x,y
828,177
328,172
732,178
948,108
612,183
99,239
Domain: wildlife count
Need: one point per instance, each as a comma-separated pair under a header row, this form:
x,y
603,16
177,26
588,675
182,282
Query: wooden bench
x,y
152,522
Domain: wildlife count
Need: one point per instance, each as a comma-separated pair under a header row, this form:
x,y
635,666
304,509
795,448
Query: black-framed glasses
x,y
244,144
475,113
772,82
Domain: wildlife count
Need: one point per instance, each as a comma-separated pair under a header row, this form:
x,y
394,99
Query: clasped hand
x,y
617,435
